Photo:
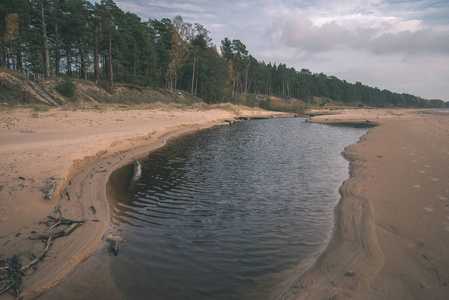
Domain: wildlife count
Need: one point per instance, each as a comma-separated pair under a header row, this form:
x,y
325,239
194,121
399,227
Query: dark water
x,y
226,213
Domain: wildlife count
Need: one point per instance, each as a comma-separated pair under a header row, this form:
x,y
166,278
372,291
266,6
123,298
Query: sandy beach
x,y
78,150
391,235
391,227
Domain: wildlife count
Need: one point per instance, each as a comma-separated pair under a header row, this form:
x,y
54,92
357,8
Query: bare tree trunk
x,y
97,62
69,65
105,63
57,54
110,59
2,52
13,61
196,87
45,41
246,79
19,60
83,72
283,88
7,54
193,72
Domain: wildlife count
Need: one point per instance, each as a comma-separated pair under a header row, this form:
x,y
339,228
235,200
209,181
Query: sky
x,y
399,45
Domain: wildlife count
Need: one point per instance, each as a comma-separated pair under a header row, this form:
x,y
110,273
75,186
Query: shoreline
x,y
374,251
388,252
81,176
349,197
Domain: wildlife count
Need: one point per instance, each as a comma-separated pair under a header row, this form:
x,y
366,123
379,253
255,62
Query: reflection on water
x,y
225,212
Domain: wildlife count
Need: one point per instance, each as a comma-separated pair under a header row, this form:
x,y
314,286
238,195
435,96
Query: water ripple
x,y
219,214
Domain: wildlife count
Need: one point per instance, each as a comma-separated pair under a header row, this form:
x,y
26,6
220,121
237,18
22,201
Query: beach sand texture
x,y
391,227
78,150
391,236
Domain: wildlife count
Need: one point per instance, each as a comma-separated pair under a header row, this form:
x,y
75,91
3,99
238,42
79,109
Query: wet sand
x,y
391,226
391,235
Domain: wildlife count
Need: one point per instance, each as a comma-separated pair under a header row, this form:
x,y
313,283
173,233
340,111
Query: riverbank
x,y
78,150
392,224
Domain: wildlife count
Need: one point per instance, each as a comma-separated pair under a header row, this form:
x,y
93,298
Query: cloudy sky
x,y
400,45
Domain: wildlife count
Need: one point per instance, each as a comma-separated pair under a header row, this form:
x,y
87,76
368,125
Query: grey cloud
x,y
300,33
412,43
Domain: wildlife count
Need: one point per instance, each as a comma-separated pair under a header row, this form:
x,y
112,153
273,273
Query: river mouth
x,y
230,212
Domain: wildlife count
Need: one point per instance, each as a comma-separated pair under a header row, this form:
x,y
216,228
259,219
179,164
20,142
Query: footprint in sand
x,y
420,241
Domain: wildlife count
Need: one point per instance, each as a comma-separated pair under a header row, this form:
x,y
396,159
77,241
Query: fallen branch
x,y
11,271
56,224
6,288
40,257
11,276
60,221
61,233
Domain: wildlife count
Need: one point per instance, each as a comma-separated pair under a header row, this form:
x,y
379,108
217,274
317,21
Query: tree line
x,y
100,42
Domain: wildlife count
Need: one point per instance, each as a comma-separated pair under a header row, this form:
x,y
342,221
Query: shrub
x,y
66,88
251,100
265,104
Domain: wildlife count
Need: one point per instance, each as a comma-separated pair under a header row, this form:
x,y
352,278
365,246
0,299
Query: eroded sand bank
x,y
78,150
392,223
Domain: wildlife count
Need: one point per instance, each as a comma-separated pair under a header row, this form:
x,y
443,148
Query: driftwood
x,y
53,222
11,271
39,258
137,170
50,191
58,210
65,232
114,247
11,276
